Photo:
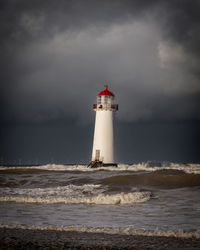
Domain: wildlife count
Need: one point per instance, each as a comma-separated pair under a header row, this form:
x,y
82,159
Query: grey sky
x,y
57,55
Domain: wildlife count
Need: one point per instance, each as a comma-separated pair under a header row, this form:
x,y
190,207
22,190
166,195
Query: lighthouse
x,y
103,142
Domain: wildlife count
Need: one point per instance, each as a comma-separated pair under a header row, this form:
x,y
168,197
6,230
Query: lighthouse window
x,y
99,100
106,99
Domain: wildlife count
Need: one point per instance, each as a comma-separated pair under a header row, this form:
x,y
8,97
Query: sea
x,y
143,198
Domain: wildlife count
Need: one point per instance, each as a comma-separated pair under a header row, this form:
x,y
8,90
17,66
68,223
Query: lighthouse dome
x,y
106,92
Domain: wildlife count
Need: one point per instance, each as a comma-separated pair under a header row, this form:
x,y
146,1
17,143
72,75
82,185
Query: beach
x,y
75,207
52,239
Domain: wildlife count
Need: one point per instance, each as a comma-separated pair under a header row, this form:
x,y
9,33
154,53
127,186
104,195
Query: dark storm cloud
x,y
55,52
37,19
56,55
42,18
183,24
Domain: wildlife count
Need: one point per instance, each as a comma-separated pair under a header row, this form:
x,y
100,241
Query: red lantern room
x,y
105,101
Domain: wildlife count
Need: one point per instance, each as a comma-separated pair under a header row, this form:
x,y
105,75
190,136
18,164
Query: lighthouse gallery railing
x,y
113,107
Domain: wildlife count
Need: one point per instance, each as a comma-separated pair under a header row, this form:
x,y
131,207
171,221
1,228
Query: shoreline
x,y
15,238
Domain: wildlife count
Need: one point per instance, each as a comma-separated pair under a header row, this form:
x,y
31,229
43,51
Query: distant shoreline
x,y
50,239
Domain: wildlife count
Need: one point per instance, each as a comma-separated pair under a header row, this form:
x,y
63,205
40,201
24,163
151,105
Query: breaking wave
x,y
100,199
71,194
180,233
188,168
61,191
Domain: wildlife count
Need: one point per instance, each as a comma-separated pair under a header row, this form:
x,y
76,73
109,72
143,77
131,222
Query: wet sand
x,y
50,239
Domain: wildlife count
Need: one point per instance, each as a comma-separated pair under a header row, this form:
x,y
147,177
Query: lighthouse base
x,y
98,164
109,164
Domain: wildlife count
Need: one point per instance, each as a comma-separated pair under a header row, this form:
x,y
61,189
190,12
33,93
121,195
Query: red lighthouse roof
x,y
106,92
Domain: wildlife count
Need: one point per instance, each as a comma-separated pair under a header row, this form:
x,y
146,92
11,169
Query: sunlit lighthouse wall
x,y
103,142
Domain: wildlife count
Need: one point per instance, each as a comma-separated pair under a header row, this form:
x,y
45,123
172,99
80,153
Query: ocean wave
x,y
71,194
188,168
180,233
100,199
159,178
61,191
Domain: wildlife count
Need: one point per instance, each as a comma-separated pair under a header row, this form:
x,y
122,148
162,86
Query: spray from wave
x,y
188,168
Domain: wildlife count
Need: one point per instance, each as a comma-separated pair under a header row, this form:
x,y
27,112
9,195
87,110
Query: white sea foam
x,y
188,168
71,194
61,191
180,233
104,199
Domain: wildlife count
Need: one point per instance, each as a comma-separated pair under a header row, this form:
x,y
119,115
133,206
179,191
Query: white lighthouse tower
x,y
103,143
